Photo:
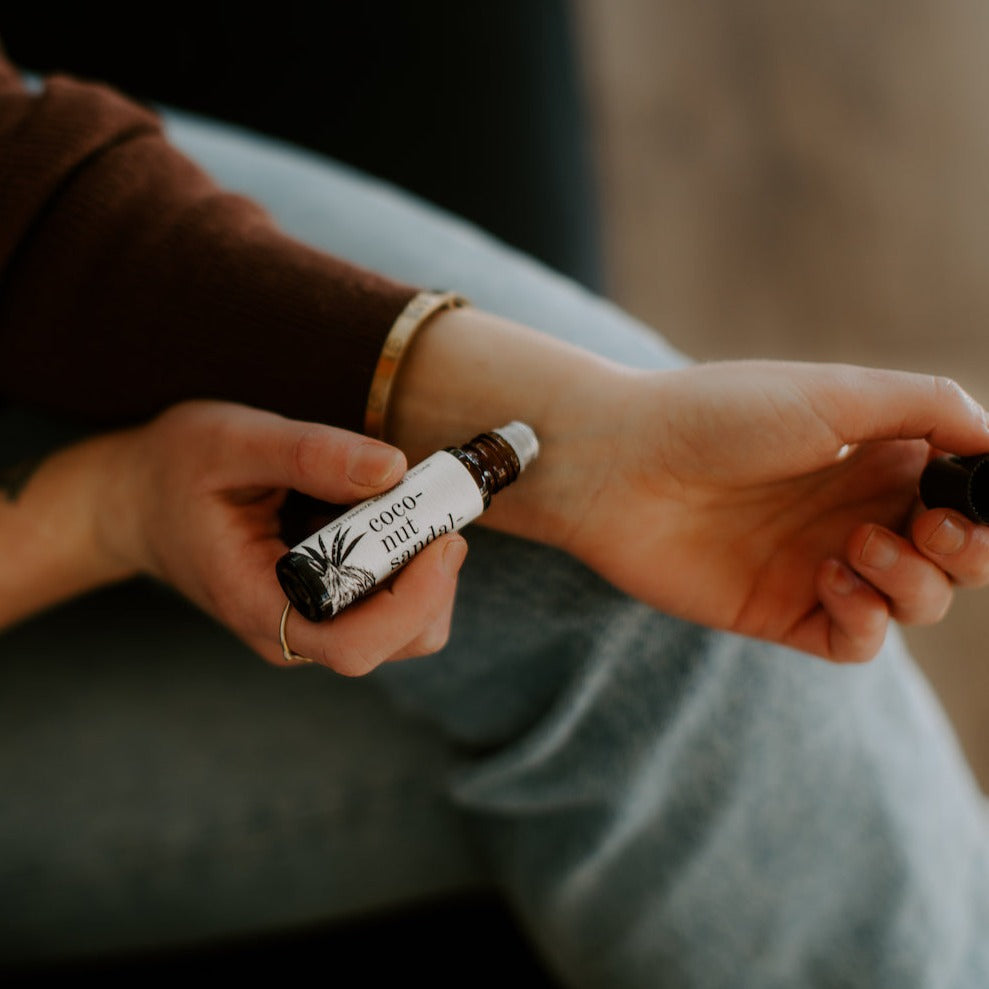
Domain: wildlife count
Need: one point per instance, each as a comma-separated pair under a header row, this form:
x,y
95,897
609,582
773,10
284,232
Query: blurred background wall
x,y
807,179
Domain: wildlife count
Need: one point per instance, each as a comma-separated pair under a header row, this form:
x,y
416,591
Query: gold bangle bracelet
x,y
419,309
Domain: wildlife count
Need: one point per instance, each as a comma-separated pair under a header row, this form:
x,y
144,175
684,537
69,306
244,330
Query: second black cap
x,y
961,483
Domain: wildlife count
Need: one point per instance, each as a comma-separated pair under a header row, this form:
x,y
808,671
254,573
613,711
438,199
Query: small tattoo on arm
x,y
13,480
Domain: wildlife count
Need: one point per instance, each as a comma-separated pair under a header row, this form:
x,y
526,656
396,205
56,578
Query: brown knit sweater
x,y
129,281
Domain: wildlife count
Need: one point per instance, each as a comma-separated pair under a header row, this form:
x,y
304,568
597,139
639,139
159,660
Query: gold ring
x,y
290,657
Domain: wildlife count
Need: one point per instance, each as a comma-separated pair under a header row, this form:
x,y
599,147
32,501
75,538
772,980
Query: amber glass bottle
x,y
348,558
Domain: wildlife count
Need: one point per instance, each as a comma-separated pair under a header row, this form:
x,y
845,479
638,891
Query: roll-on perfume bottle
x,y
348,558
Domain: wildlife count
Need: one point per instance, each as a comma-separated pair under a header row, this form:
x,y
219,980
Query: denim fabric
x,y
661,804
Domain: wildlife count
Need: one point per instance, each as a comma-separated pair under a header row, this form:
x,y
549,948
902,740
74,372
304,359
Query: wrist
x,y
50,541
469,371
115,514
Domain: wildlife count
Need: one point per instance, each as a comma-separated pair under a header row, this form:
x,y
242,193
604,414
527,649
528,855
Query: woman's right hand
x,y
193,499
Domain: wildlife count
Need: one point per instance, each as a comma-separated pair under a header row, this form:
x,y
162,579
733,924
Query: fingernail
x,y
841,579
947,538
454,554
880,550
371,464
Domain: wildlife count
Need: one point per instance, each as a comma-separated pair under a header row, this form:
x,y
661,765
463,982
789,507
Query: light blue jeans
x,y
660,804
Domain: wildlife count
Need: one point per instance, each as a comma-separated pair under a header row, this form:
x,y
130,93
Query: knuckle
x,y
980,578
926,609
944,384
306,453
855,650
215,435
865,646
947,391
976,572
180,413
946,603
432,641
350,661
859,654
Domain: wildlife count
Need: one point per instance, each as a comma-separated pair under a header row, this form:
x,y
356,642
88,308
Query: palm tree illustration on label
x,y
343,583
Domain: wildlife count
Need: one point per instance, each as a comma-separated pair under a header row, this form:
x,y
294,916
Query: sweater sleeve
x,y
130,281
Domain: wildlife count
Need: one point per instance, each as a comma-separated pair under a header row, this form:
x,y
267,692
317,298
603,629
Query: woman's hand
x,y
772,499
193,498
776,500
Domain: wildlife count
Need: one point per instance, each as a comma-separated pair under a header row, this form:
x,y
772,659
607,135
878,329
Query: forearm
x,y
50,547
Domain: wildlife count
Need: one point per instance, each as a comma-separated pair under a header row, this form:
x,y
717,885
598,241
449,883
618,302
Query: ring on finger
x,y
287,653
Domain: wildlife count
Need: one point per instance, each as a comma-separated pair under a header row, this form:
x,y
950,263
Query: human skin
x,y
776,500
192,498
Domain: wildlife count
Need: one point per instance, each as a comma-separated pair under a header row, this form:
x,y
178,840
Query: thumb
x,y
261,449
870,404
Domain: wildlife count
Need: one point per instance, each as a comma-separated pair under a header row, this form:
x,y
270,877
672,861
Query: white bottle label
x,y
372,540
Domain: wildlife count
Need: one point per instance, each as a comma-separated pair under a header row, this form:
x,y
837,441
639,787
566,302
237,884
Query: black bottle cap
x,y
961,483
302,586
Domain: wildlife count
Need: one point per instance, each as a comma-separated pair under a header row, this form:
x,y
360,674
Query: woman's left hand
x,y
774,499
780,500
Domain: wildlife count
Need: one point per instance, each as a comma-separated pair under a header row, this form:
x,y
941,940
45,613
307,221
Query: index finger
x,y
261,449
